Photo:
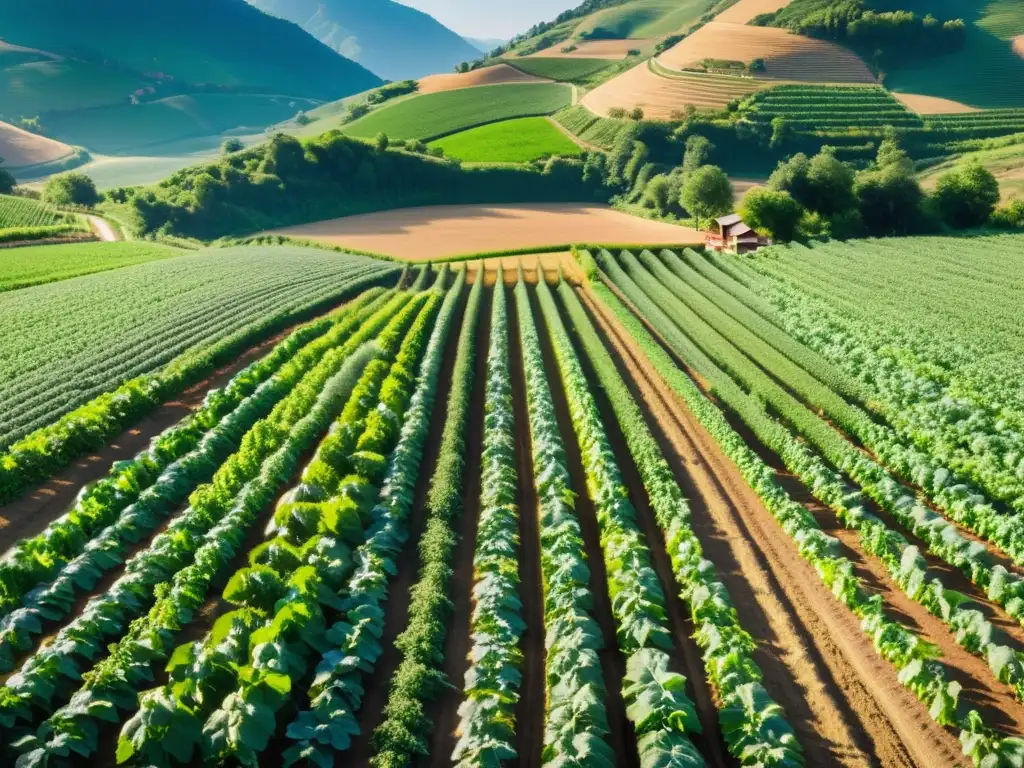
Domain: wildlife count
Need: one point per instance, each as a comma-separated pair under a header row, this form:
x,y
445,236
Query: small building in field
x,y
734,236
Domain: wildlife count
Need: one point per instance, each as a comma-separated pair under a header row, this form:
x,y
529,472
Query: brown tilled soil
x,y
932,105
786,56
843,700
21,148
1018,45
378,685
549,262
745,10
496,75
533,691
444,711
613,663
36,509
687,658
443,231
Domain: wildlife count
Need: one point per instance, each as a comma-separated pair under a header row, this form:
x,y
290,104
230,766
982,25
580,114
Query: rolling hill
x,y
390,39
218,45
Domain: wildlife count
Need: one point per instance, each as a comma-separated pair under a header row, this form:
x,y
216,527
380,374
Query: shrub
x,y
617,113
230,146
1010,216
7,181
637,113
966,197
773,213
71,189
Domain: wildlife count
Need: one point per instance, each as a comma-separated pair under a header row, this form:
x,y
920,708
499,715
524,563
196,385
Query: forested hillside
x,y
390,39
212,43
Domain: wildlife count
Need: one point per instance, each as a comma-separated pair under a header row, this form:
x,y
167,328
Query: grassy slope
x,y
643,19
28,88
438,114
562,70
1006,163
510,141
35,265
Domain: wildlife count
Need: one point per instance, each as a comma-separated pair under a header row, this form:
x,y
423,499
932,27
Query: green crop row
x,y
352,644
405,732
176,570
753,724
920,673
493,679
663,716
576,719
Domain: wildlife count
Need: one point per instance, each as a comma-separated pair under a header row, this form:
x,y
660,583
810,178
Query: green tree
x,y
707,192
382,142
698,152
889,200
637,160
656,194
637,114
829,184
773,213
7,181
71,189
967,196
230,146
782,131
1010,216
791,176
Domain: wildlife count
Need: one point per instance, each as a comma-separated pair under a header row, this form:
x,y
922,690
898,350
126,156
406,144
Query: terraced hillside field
x,y
524,489
433,115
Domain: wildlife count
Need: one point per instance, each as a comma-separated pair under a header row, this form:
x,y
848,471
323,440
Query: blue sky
x,y
491,18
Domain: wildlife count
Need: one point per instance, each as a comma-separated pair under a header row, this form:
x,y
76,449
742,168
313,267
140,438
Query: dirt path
x,y
104,231
530,713
843,700
443,712
378,684
613,664
37,508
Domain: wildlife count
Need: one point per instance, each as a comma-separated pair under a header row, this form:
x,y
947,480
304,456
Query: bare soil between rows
x,y
843,700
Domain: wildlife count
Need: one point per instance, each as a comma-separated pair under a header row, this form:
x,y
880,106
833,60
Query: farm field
x,y
665,95
494,75
19,148
786,56
529,482
612,50
438,232
510,141
68,342
36,265
560,69
643,19
434,115
25,212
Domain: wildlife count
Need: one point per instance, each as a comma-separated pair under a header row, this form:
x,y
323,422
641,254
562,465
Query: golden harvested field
x,y
496,75
550,262
436,232
745,10
1018,44
19,148
596,49
786,56
932,105
660,96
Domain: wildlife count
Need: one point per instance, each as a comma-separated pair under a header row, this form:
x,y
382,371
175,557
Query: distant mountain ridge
x,y
218,44
392,40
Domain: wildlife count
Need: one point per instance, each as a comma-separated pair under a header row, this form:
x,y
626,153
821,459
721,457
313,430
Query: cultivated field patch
x,y
18,147
642,19
35,265
434,115
496,75
594,49
933,105
437,232
786,56
666,96
510,141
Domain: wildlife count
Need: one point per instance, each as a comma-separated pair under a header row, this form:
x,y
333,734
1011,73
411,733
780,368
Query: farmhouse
x,y
734,236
